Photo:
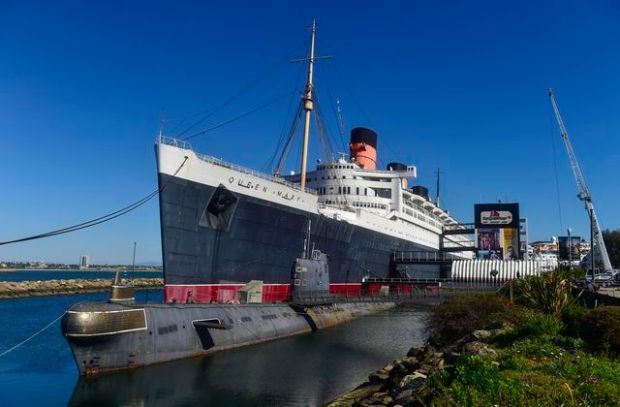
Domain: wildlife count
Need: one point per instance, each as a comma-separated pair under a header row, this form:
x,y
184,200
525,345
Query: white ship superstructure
x,y
224,225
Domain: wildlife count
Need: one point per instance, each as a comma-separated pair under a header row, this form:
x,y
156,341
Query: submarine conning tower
x,y
363,147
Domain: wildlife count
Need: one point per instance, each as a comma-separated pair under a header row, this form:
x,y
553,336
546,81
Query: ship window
x,y
344,177
357,190
220,209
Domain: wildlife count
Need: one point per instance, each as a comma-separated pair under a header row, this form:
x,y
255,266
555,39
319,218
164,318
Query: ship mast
x,y
308,106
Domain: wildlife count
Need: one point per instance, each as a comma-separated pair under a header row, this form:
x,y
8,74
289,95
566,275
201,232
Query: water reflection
x,y
306,370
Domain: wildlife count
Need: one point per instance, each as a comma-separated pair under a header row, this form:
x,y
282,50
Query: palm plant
x,y
549,293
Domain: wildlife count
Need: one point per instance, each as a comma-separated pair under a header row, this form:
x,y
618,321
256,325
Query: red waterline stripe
x,y
227,293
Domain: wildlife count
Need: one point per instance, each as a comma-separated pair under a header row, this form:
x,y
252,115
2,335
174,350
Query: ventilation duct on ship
x,y
363,147
220,210
398,167
421,191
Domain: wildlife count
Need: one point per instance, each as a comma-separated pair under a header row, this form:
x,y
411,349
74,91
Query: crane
x,y
584,192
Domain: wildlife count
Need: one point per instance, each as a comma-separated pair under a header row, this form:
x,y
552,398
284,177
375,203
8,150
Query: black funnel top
x,y
396,167
364,135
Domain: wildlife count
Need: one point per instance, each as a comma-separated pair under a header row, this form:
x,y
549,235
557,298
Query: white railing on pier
x,y
221,163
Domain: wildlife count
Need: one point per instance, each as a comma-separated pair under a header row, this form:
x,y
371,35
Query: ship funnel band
x,y
364,135
364,147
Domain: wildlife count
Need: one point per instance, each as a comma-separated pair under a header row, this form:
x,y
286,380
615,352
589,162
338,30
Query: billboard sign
x,y
497,231
500,215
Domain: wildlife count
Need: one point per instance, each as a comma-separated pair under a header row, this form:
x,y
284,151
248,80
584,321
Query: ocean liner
x,y
223,225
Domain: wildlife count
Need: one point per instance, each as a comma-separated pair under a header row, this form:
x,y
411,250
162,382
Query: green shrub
x,y
571,317
460,316
549,293
537,348
530,324
476,381
600,329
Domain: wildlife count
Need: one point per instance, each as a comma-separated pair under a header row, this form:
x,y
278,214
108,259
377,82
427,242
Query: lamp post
x,y
592,242
570,250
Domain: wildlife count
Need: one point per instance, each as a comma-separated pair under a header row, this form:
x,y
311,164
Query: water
x,y
39,275
304,370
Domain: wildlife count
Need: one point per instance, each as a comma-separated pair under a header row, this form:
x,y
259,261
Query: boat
x,y
252,257
224,225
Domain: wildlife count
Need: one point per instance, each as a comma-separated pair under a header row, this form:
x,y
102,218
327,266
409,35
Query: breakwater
x,y
404,382
17,289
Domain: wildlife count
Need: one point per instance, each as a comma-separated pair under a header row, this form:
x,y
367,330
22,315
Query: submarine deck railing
x,y
216,161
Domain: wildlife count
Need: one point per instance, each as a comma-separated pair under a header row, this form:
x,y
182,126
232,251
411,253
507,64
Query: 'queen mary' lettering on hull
x,y
258,187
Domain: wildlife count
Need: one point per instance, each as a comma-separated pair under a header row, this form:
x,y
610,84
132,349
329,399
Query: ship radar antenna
x,y
308,102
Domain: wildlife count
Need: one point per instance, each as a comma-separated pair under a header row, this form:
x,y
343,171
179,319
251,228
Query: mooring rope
x,y
6,352
101,219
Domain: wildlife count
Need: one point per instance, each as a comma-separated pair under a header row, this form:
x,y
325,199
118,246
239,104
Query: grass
x,y
542,360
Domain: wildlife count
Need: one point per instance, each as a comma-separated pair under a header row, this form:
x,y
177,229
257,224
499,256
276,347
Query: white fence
x,y
493,271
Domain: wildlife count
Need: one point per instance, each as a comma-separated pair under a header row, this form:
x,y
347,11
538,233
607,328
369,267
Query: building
x,y
84,262
548,252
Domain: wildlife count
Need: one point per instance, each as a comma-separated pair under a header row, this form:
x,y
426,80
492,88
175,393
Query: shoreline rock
x,y
404,382
20,289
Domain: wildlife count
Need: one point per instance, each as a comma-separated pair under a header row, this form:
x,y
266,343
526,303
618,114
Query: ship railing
x,y
221,163
422,256
459,227
174,142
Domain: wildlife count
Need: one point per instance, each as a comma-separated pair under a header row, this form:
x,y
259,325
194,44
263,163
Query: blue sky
x,y
456,85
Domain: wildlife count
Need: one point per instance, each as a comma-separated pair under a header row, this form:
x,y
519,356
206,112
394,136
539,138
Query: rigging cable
x,y
101,219
210,112
240,116
270,165
335,107
289,141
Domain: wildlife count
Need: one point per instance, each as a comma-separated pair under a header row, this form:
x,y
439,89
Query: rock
x,y
388,367
412,381
481,334
355,396
479,348
378,376
404,395
424,369
410,362
452,357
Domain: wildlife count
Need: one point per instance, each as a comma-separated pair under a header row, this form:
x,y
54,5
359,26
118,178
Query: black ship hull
x,y
214,241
